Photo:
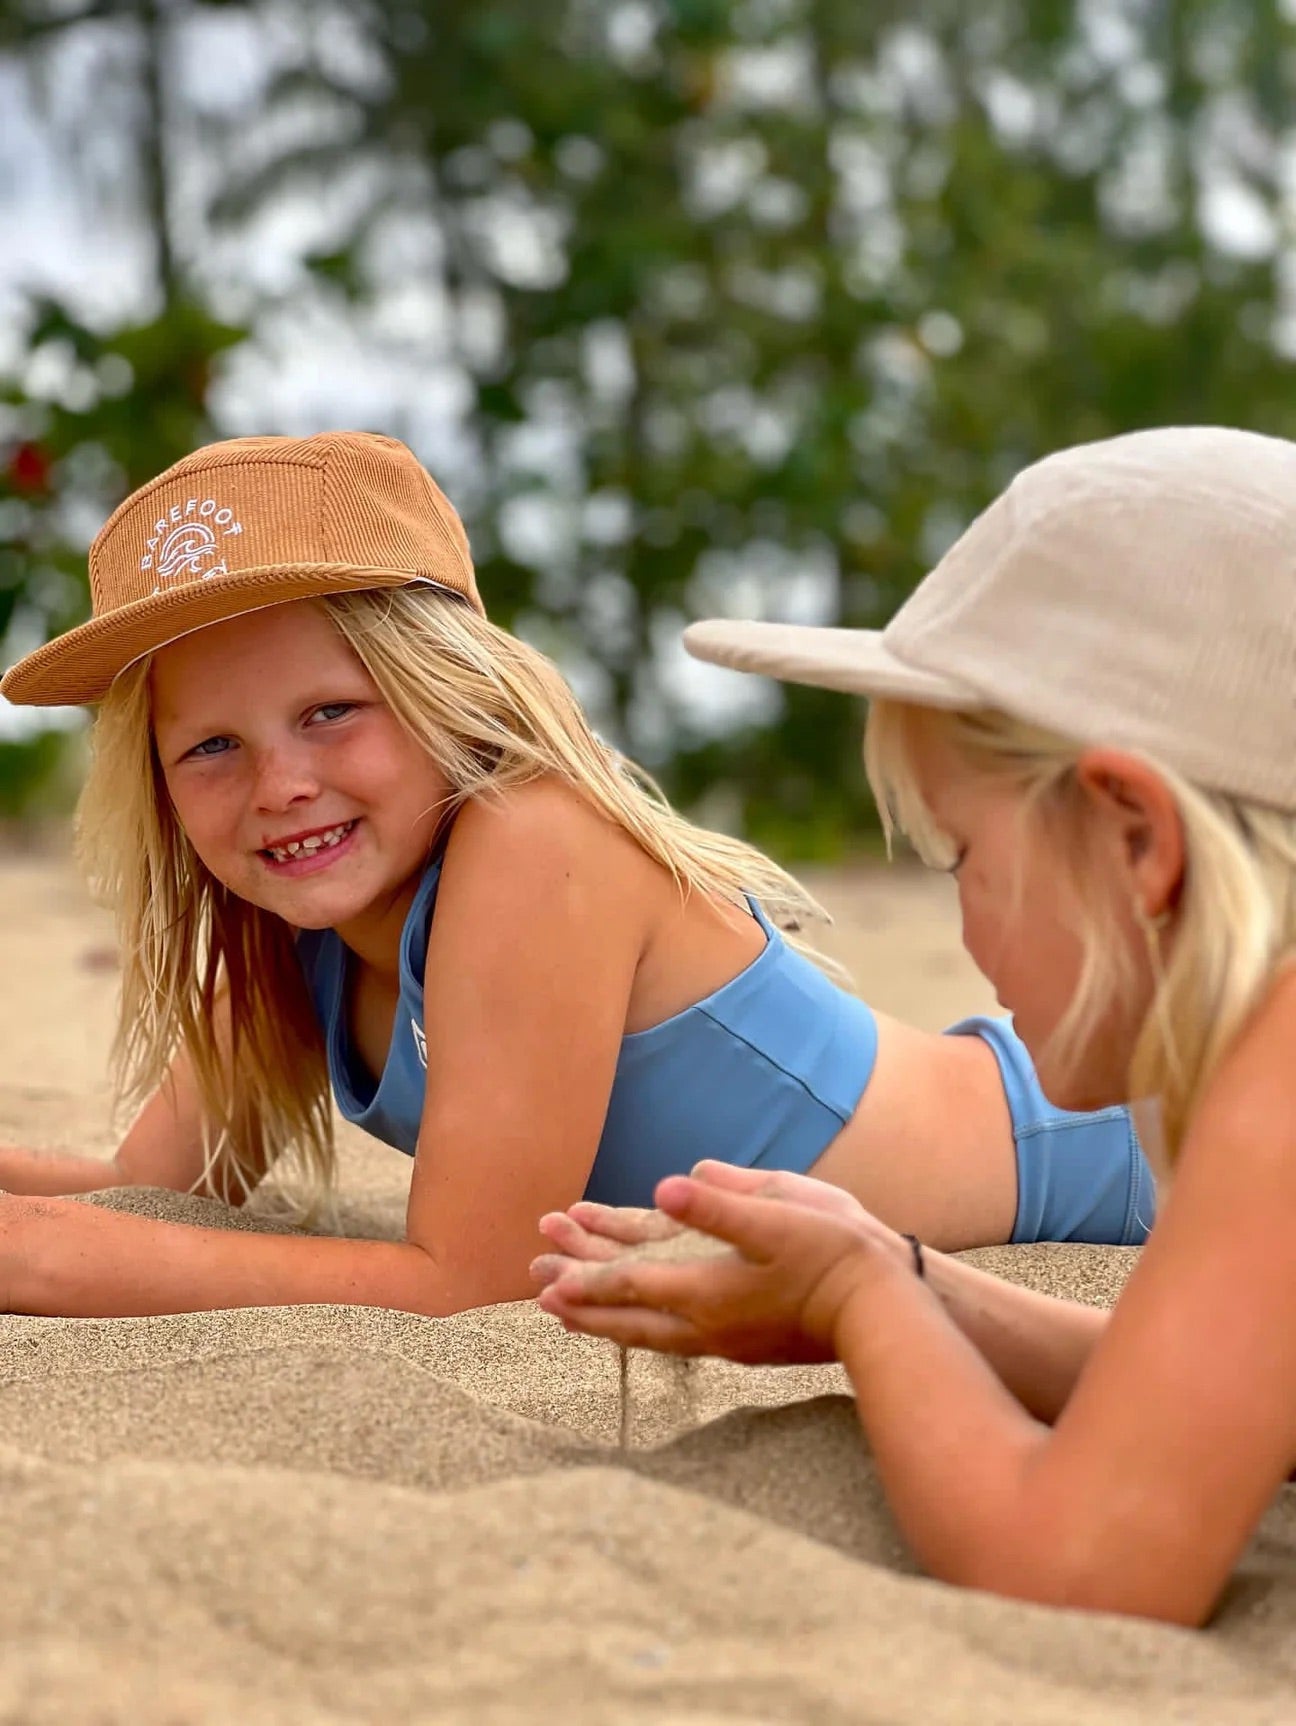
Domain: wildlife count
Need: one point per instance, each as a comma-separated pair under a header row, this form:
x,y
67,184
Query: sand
x,y
318,1515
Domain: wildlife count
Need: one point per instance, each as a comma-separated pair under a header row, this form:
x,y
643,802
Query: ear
x,y
1134,808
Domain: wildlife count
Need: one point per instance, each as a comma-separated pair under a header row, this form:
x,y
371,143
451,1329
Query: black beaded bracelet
x,y
915,1247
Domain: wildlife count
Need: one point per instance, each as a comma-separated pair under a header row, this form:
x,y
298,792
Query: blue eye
x,y
334,710
209,747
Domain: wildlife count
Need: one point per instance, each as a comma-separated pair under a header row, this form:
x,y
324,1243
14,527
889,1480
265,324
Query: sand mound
x,y
321,1515
335,1514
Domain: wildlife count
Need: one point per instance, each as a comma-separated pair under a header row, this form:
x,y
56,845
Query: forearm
x,y
1036,1344
77,1261
953,1445
58,1174
51,1173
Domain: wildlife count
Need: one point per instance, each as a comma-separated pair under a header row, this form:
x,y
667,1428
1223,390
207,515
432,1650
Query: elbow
x,y
431,1285
114,1175
1036,1565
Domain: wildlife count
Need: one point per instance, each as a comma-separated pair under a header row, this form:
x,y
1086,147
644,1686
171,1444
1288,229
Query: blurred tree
x,y
764,299
761,300
92,408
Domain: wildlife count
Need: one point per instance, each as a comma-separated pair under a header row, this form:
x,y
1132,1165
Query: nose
x,y
285,777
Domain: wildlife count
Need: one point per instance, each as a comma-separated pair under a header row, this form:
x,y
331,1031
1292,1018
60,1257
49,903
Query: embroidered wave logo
x,y
185,544
187,551
420,1042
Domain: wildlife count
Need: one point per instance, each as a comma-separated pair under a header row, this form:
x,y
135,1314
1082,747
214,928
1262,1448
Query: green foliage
x,y
752,288
38,774
128,403
90,412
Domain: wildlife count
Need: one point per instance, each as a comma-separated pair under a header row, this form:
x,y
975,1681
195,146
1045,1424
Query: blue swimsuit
x,y
765,1072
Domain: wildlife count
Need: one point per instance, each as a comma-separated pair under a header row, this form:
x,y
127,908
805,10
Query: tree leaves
x,y
761,299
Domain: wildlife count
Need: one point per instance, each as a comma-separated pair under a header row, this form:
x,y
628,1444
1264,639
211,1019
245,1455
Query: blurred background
x,y
693,306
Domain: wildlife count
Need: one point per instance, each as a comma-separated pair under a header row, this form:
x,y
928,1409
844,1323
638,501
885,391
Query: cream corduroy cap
x,y
244,524
1138,593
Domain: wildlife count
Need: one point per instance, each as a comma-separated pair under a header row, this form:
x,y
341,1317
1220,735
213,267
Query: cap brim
x,y
855,661
80,666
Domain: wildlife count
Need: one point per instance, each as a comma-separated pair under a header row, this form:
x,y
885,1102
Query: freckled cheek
x,y
400,783
212,818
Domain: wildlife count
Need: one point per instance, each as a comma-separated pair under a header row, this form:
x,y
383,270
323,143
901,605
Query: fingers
x,y
732,1177
756,1226
636,1282
549,1267
626,1224
595,1233
574,1241
803,1190
632,1327
760,1183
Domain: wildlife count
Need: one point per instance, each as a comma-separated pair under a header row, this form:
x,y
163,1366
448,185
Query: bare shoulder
x,y
1260,1063
1250,1103
545,815
546,832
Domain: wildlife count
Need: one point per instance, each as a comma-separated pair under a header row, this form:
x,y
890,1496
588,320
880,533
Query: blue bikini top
x,y
764,1072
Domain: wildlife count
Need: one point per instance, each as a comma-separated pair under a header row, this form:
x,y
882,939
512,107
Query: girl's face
x,y
1022,914
290,775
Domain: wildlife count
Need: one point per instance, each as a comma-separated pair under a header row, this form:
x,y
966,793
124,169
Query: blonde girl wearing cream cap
x,y
1087,713
358,839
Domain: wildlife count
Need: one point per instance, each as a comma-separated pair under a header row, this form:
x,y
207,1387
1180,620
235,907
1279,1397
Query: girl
x,y
1088,713
310,741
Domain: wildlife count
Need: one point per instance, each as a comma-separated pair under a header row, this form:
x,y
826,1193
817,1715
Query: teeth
x,y
307,847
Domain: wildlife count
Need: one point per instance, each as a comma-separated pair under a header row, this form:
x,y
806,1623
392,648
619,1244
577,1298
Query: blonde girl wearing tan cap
x,y
1087,713
359,839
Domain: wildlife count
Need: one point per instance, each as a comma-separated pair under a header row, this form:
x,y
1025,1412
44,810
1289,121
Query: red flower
x,y
29,468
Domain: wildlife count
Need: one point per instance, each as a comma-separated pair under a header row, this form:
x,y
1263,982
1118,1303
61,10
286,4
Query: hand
x,y
778,1294
588,1233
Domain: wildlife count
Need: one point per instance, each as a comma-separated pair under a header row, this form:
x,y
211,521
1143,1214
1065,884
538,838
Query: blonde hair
x,y
1235,920
492,713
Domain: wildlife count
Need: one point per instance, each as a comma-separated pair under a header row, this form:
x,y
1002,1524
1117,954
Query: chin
x,y
1081,1093
1096,1080
1081,1100
324,913
306,919
299,910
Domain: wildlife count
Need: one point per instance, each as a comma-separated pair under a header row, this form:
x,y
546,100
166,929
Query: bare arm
x,y
57,1257
1180,1426
1037,1346
45,1173
64,1259
163,1147
530,962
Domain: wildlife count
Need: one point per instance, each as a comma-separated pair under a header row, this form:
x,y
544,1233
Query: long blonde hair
x,y
492,713
1235,921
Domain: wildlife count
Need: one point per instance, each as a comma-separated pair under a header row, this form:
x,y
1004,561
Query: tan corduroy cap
x,y
241,525
1138,593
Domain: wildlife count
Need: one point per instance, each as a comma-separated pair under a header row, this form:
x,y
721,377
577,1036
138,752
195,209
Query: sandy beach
x,y
317,1515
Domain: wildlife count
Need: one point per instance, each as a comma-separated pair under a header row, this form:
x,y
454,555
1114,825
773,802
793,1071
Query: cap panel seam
x,y
325,490
170,476
438,502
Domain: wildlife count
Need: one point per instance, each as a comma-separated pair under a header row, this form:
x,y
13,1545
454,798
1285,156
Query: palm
x,y
594,1234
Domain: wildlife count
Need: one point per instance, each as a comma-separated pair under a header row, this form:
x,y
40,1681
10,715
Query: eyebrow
x,y
346,686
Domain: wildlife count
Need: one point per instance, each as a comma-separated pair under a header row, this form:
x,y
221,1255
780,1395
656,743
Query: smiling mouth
x,y
311,845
